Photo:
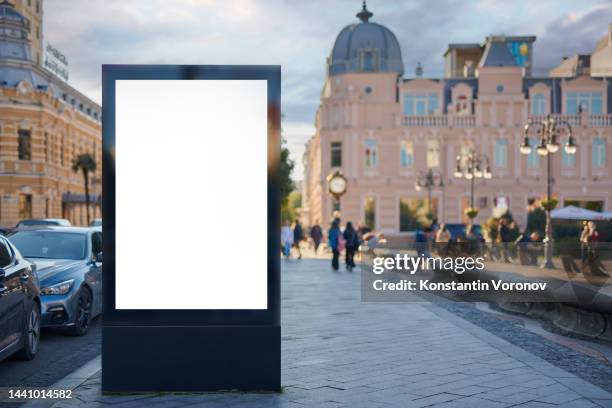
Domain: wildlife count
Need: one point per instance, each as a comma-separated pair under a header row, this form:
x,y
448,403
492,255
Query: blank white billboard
x,y
191,194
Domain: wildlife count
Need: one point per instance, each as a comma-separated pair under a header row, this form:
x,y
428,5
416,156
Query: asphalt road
x,y
59,355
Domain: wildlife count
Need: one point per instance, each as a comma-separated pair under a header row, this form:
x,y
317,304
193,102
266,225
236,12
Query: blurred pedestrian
x,y
503,236
584,243
298,236
442,235
333,238
316,234
352,243
442,240
596,267
287,239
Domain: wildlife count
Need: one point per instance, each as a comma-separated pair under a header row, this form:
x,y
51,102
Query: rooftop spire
x,y
365,14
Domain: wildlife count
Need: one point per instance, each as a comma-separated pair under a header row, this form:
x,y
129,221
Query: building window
x,y
369,61
433,153
369,213
462,106
538,104
583,102
46,146
25,206
25,145
420,104
533,159
371,153
567,160
336,154
501,152
406,154
63,151
599,152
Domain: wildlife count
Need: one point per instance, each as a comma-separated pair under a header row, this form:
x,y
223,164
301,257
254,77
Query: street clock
x,y
337,184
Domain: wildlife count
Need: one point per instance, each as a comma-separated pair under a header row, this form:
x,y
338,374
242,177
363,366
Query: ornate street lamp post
x,y
472,165
429,180
548,132
336,184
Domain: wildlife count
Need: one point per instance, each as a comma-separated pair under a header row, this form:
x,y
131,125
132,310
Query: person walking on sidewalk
x,y
333,238
298,236
287,239
316,234
352,243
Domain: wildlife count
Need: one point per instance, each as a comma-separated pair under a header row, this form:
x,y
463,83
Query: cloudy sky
x,y
299,35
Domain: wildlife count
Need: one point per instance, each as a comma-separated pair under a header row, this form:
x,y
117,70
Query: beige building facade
x,y
384,130
44,125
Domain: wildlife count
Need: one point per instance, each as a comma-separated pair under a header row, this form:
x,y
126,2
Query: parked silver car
x,y
69,265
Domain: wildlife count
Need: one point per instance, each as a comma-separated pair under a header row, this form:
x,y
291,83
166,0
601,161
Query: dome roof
x,y
365,47
14,28
8,12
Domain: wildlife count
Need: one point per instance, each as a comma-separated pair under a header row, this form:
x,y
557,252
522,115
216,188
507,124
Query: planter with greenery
x,y
471,212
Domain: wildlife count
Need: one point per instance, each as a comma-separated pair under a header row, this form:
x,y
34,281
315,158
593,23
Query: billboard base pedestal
x,y
190,358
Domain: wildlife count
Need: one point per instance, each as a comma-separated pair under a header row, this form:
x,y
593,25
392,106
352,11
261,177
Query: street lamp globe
x,y
469,175
542,149
552,146
488,174
570,146
525,148
478,173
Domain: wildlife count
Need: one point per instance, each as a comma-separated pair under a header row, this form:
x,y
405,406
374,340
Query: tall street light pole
x,y
472,165
548,132
429,180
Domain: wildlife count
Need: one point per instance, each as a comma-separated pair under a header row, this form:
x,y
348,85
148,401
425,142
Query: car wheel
x,y
31,334
83,313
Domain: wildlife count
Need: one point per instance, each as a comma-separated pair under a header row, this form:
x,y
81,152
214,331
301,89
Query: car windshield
x,y
50,244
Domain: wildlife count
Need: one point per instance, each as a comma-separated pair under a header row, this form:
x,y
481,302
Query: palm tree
x,y
86,164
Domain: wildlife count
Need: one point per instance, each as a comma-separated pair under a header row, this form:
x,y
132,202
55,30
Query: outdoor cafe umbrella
x,y
576,213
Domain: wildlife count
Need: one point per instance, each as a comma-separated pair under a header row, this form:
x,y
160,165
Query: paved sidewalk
x,y
339,352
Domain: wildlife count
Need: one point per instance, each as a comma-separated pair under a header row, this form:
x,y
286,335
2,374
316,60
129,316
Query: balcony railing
x,y
573,120
469,121
436,121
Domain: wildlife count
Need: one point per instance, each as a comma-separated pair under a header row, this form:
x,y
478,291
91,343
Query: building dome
x,y
14,30
365,47
8,12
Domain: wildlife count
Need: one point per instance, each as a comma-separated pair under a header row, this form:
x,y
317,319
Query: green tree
x,y
295,199
85,163
286,168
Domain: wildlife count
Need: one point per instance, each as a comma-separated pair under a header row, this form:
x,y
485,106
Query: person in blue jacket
x,y
332,240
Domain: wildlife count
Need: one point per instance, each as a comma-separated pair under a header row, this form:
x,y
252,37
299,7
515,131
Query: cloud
x,y
299,35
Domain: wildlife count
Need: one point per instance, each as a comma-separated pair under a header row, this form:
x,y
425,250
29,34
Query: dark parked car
x,y
69,265
19,304
43,222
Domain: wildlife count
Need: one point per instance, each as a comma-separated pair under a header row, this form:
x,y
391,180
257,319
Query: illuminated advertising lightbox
x,y
191,170
191,227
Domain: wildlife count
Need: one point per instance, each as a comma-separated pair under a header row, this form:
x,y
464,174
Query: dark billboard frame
x,y
232,346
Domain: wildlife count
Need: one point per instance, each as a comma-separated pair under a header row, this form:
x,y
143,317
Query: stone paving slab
x,y
340,352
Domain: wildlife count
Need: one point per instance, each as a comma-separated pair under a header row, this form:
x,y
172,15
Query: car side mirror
x,y
99,257
2,275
